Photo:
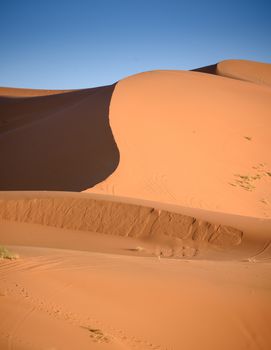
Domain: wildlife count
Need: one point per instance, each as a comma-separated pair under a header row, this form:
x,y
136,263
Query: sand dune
x,y
17,92
254,72
192,139
169,245
185,138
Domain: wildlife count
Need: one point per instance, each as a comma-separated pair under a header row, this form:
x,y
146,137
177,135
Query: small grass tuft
x,y
248,138
6,254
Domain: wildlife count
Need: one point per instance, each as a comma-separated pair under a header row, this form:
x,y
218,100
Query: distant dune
x,y
20,92
254,72
139,212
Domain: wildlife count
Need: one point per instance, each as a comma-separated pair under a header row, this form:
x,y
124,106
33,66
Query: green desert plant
x,y
6,254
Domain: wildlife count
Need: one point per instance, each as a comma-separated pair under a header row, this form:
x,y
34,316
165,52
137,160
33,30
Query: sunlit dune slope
x,y
192,139
17,92
254,72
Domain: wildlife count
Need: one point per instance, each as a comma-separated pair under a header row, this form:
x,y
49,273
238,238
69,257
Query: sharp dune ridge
x,y
138,215
207,149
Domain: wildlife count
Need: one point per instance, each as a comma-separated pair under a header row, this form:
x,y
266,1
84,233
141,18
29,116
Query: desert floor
x,y
139,213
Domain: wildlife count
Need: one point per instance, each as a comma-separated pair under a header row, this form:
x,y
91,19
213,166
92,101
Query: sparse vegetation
x,y
247,182
97,335
248,138
6,254
264,201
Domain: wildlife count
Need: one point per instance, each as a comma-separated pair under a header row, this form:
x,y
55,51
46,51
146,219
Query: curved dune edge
x,y
195,140
23,92
175,234
250,71
254,72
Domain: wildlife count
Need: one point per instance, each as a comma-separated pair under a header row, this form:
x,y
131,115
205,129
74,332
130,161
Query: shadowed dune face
x,y
57,142
212,69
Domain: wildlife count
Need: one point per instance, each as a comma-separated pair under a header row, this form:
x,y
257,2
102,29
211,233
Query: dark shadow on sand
x,y
208,69
57,142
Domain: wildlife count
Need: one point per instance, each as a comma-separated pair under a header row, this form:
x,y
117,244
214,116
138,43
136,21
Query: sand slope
x,y
254,72
185,138
132,303
192,139
169,247
56,142
159,230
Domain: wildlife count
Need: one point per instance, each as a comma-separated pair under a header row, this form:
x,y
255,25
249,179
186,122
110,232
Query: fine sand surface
x,y
169,245
192,139
65,299
100,272
254,72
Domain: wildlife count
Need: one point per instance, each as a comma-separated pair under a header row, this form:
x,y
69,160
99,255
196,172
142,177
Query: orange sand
x,y
192,139
169,246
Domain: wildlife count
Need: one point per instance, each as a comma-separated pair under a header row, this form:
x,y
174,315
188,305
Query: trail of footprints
x,y
98,332
179,252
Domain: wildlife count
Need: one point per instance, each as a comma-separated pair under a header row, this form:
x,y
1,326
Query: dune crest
x,y
191,139
23,92
254,72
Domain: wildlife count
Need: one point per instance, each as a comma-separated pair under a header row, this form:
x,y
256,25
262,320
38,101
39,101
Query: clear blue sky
x,y
76,44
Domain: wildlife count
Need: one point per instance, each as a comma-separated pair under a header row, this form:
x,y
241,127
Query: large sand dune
x,y
169,245
192,139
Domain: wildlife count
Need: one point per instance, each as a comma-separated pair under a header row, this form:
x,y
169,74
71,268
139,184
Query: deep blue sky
x,y
76,44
